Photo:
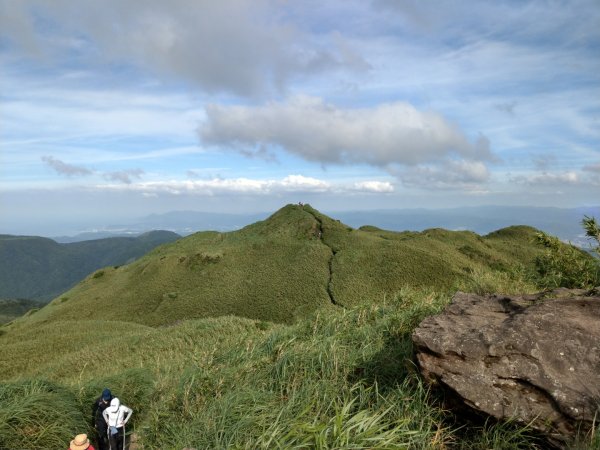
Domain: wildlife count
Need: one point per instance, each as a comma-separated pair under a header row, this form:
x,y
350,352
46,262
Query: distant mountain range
x,y
38,268
562,222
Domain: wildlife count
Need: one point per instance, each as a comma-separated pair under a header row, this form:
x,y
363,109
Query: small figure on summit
x,y
116,416
98,421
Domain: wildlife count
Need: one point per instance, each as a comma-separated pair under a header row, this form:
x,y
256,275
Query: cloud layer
x,y
249,186
384,135
245,47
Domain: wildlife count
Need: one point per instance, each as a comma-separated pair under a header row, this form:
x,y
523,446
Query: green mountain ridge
x,y
39,268
285,267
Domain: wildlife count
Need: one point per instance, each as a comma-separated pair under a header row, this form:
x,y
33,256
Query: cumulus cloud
x,y
467,175
303,184
384,135
239,46
374,186
63,168
124,176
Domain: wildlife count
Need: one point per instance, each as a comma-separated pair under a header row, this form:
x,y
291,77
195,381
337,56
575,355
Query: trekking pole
x,y
123,436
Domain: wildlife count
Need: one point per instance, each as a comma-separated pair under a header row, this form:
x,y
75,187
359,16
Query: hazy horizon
x,y
563,222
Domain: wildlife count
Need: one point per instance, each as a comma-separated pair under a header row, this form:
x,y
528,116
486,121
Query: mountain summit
x,y
283,268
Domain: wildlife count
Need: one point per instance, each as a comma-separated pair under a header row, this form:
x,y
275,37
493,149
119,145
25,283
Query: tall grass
x,y
38,414
337,379
484,281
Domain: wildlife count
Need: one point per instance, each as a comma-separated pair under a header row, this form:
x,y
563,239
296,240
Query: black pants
x,y
102,439
116,440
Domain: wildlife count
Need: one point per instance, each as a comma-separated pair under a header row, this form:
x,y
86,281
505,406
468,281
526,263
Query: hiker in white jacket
x,y
116,416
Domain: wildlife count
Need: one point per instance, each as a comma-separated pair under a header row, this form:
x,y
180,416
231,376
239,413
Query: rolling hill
x,y
285,267
293,332
37,268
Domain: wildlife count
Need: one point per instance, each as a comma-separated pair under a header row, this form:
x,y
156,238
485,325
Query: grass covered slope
x,y
339,378
336,379
40,269
285,267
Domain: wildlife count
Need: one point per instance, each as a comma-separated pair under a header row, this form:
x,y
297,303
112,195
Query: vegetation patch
x,y
39,414
98,274
563,265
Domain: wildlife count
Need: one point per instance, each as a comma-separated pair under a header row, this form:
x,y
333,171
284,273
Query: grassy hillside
x,y
340,378
40,269
285,267
311,349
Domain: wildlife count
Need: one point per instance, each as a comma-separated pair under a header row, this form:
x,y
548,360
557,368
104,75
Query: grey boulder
x,y
533,358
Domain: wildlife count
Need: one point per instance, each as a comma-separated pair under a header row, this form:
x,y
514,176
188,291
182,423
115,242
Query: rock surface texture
x,y
535,358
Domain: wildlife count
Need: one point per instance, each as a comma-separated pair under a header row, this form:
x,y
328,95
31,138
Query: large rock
x,y
535,358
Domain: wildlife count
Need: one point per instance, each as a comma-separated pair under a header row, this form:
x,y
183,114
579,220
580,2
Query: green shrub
x,y
592,231
563,265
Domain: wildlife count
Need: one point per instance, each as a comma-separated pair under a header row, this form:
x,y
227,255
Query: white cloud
x,y
291,183
302,183
249,186
374,186
388,134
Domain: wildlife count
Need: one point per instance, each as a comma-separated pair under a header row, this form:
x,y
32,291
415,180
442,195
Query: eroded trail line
x,y
329,263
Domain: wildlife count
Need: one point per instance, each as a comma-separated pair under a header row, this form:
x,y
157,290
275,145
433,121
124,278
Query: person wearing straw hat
x,y
116,416
81,442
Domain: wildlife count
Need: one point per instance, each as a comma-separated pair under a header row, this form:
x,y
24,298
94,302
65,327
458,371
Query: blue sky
x,y
115,109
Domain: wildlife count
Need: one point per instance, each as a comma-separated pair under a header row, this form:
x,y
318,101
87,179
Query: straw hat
x,y
81,442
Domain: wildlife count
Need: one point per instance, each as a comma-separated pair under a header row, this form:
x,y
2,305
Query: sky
x,y
115,109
